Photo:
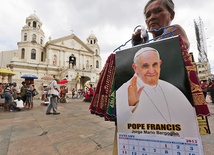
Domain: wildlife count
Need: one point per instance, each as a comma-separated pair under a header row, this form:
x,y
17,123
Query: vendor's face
x,y
147,67
157,15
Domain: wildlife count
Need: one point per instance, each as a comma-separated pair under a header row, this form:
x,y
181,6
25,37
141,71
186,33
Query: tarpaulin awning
x,y
6,72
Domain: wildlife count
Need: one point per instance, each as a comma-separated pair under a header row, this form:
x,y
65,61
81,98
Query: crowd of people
x,y
15,97
85,94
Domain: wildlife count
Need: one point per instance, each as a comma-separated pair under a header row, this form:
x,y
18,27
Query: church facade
x,y
67,57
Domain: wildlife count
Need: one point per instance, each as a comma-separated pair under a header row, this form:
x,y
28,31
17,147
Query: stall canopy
x,y
6,72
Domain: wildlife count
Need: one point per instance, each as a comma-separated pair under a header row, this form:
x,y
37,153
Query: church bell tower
x,y
31,46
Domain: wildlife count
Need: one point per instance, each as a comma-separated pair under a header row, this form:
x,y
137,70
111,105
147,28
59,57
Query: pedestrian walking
x,y
53,92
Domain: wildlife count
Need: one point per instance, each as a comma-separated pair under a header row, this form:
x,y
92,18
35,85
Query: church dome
x,y
33,17
92,36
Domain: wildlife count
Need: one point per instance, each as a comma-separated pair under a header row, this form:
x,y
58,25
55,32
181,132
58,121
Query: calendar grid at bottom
x,y
133,145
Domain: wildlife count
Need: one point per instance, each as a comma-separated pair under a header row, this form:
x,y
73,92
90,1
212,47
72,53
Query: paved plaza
x,y
74,132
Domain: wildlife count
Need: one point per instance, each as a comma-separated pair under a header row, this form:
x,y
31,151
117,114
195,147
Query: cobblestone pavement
x,y
74,132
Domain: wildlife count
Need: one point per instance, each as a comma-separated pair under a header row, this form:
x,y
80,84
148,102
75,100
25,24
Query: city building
x,y
203,65
203,71
66,57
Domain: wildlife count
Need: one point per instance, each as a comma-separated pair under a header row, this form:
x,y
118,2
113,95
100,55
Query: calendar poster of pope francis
x,y
155,113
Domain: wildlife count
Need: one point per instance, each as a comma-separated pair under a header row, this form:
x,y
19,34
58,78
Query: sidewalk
x,y
74,132
208,140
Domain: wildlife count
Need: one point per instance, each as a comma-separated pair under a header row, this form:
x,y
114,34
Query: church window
x,y
42,56
23,53
97,64
33,54
72,60
34,38
55,60
91,42
41,41
34,24
87,64
29,24
96,52
25,37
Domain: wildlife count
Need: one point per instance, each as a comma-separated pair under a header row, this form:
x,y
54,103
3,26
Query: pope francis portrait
x,y
145,100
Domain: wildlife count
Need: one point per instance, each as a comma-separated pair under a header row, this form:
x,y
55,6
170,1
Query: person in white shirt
x,y
17,104
53,92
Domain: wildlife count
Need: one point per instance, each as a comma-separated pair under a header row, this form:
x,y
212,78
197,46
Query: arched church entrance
x,y
84,82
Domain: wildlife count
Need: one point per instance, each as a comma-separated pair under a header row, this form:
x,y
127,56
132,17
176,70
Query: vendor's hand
x,y
136,38
133,93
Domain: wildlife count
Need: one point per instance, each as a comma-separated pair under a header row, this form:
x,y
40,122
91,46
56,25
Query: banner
x,y
203,125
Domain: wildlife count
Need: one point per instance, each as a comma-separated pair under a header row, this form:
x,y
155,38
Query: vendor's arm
x,y
180,31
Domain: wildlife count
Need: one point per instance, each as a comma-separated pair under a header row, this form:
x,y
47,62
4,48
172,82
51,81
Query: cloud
x,y
112,21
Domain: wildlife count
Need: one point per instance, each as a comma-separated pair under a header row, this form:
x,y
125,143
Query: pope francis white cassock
x,y
161,108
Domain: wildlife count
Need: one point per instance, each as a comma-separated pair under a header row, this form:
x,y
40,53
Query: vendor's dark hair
x,y
168,3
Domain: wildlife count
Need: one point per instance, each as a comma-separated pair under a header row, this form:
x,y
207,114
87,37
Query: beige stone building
x,y
40,58
202,68
204,71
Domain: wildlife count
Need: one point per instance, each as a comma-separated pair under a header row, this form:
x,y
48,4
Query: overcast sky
x,y
112,21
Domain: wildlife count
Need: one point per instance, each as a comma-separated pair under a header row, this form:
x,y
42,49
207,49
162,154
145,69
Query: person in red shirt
x,y
211,90
89,94
203,85
91,90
